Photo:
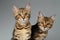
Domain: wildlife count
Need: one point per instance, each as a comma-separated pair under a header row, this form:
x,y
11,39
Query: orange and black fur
x,y
39,31
22,29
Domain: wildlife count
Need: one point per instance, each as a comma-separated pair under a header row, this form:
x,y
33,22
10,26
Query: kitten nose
x,y
45,26
23,17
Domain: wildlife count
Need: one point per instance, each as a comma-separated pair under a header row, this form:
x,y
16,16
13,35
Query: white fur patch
x,y
22,22
43,29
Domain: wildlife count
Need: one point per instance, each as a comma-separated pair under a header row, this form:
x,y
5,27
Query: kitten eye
x,y
49,27
25,13
41,22
19,14
48,23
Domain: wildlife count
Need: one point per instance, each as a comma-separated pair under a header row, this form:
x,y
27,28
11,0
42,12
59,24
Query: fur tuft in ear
x,y
40,14
28,6
15,9
53,17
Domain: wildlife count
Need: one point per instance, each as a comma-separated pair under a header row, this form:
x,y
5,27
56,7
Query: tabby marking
x,y
22,30
40,29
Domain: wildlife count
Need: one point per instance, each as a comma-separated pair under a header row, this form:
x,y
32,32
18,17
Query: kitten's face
x,y
22,15
45,23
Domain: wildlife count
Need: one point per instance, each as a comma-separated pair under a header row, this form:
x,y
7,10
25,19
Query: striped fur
x,y
40,29
22,30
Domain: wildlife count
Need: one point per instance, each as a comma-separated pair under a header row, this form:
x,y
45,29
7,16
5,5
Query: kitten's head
x,y
45,23
22,14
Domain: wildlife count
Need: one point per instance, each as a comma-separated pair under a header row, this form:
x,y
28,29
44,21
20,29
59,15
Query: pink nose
x,y
23,17
45,26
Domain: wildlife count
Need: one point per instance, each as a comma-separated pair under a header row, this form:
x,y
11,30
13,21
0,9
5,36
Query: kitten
x,y
22,30
40,29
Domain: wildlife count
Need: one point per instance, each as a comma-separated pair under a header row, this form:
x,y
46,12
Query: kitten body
x,y
40,29
22,30
37,33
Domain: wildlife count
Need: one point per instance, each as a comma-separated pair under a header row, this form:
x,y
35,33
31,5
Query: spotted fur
x,y
22,30
40,29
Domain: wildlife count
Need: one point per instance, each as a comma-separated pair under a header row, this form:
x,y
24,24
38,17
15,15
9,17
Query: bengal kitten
x,y
40,29
22,30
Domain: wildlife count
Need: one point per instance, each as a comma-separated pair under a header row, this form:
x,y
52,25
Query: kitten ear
x,y
40,14
28,6
53,17
15,9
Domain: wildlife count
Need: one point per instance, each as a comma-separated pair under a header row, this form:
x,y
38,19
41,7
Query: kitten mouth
x,y
22,22
43,29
